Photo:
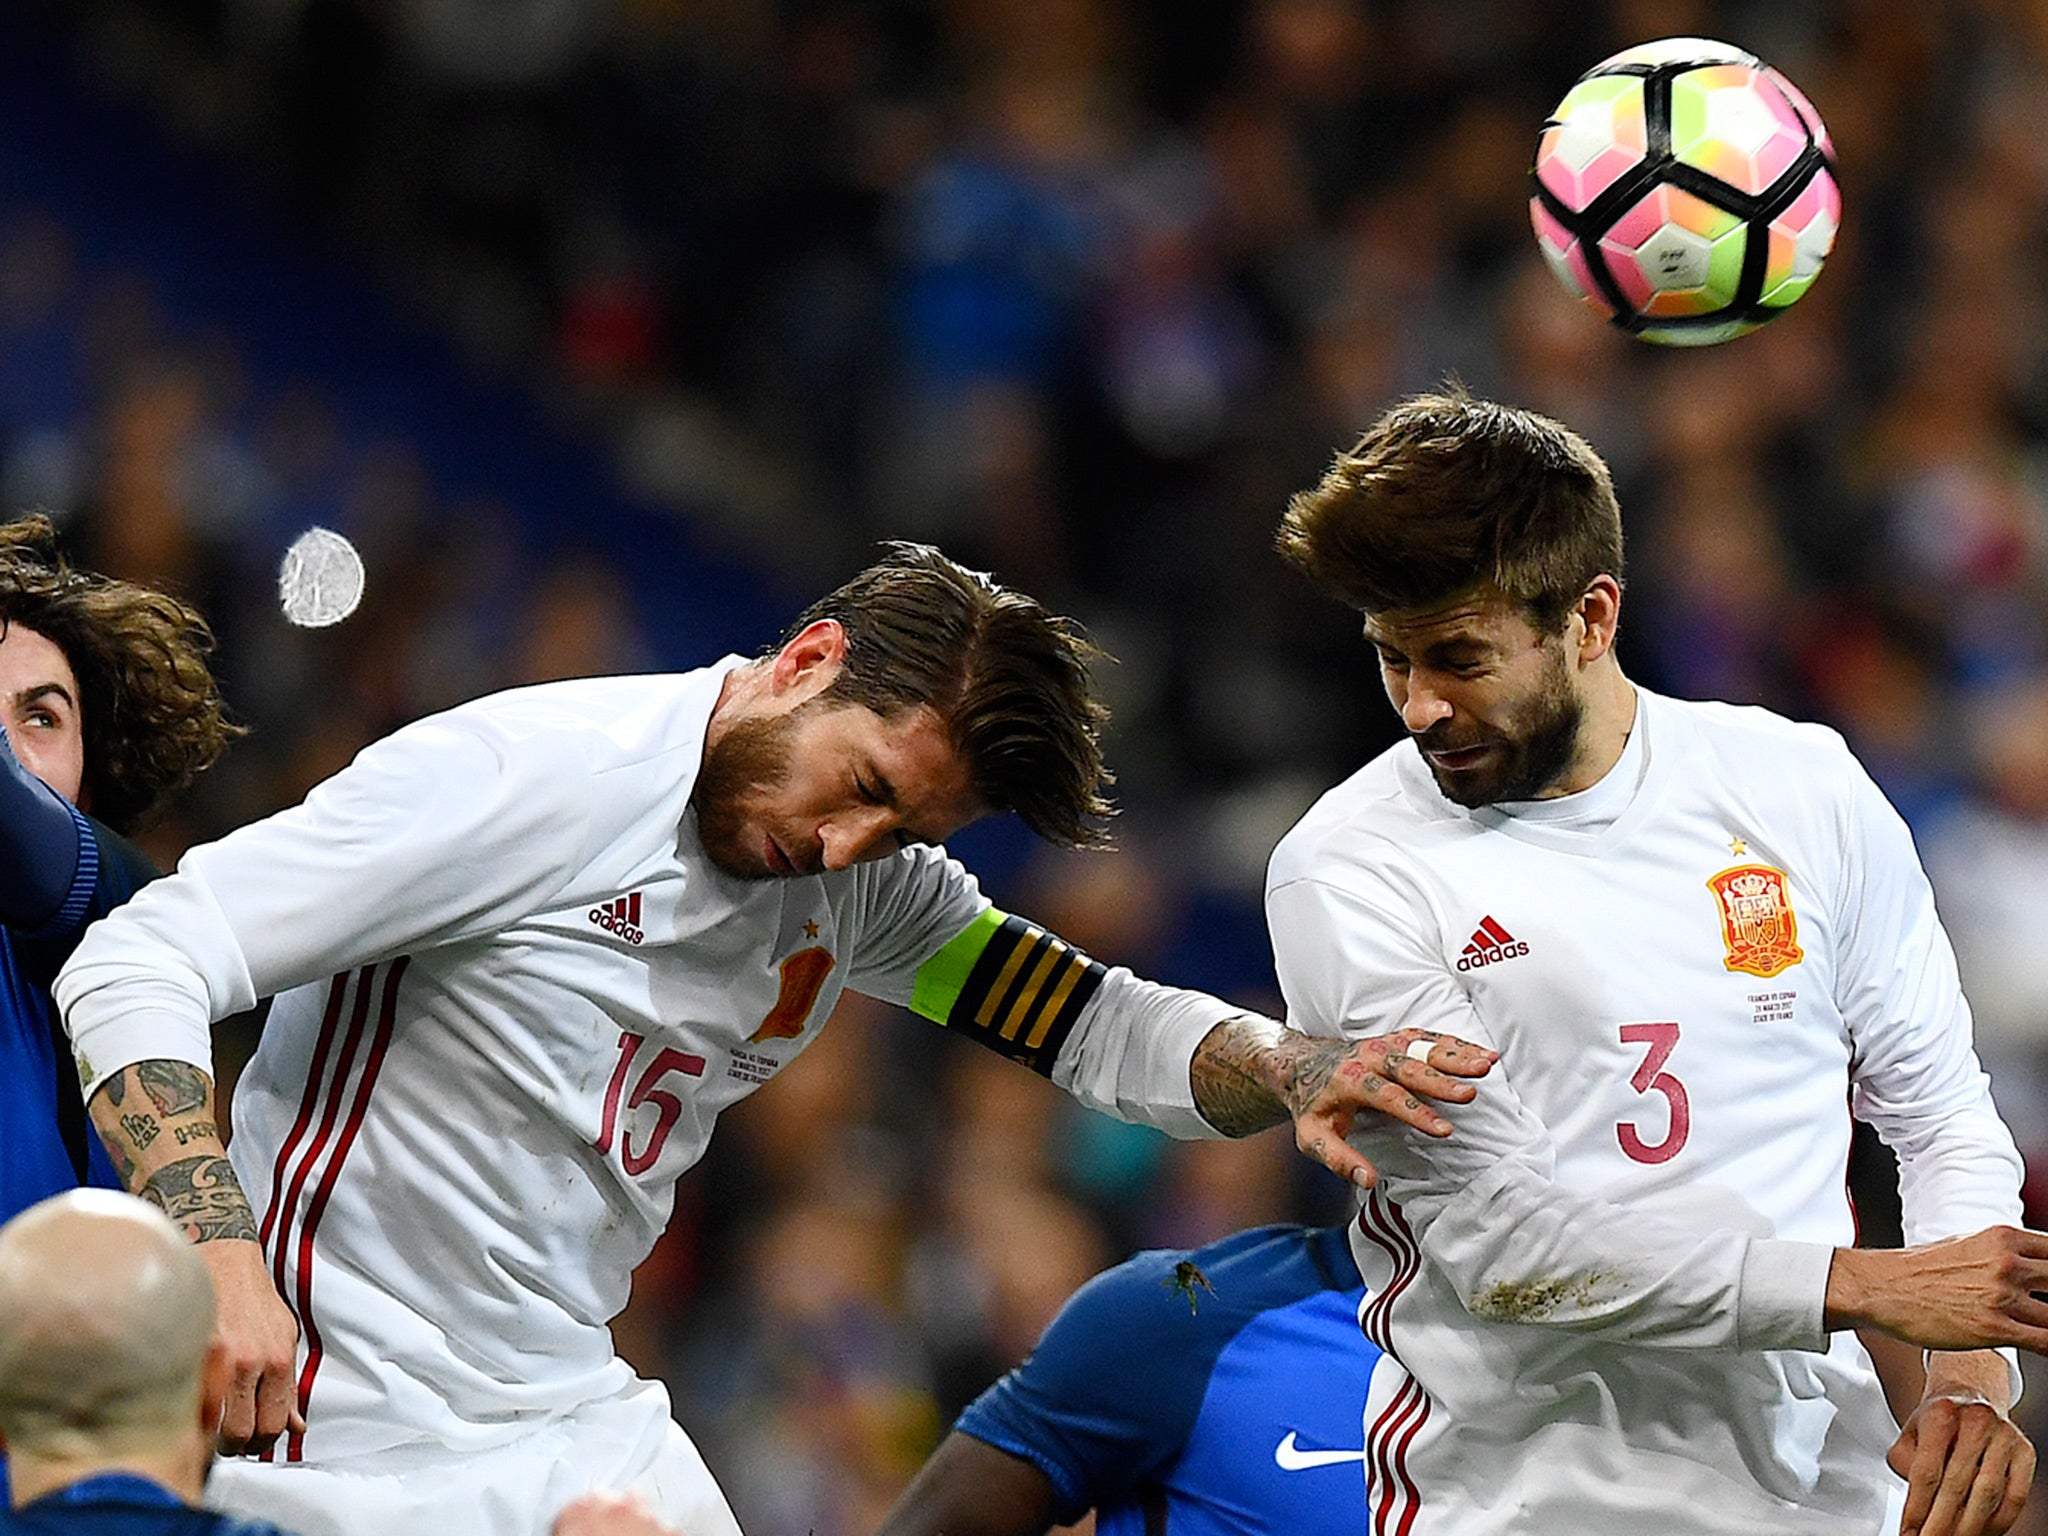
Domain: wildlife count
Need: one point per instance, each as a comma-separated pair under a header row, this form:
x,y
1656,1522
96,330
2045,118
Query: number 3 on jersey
x,y
648,1090
1650,1077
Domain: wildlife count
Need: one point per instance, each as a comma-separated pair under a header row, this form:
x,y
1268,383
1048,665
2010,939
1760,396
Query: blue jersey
x,y
1226,1400
59,870
119,1504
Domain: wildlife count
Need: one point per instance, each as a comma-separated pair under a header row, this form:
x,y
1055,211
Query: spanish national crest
x,y
1757,923
803,978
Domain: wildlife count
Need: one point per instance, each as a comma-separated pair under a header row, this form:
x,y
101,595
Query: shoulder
x,y
1192,1302
626,711
1367,821
1748,733
1745,726
1117,1384
539,734
1795,767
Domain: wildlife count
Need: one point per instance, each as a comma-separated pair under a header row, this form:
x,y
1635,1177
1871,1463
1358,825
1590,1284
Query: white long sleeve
x,y
446,829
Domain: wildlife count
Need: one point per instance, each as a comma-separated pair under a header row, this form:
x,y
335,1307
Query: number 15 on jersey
x,y
664,1064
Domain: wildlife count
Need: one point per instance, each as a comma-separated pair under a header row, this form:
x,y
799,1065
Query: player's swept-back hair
x,y
1446,492
1013,682
150,707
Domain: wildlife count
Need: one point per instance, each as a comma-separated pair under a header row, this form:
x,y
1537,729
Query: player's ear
x,y
811,659
1599,615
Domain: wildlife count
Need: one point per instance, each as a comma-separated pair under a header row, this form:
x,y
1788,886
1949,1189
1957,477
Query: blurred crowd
x,y
1081,290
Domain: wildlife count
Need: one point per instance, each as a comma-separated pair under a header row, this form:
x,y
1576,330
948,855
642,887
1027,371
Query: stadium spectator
x,y
111,1383
1694,933
677,875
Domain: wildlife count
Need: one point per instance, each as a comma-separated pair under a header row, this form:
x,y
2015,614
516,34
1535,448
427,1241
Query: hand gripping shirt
x,y
1601,1298
512,997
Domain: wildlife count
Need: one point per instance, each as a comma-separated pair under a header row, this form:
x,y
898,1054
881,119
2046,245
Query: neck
x,y
740,685
182,1470
1604,731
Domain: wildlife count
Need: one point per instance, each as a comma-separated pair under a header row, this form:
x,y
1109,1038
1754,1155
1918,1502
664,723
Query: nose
x,y
1421,705
855,836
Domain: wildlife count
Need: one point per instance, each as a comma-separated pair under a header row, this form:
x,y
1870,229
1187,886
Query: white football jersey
x,y
1601,1298
512,996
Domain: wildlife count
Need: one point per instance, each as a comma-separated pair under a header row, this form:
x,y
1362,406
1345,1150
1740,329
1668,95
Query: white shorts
x,y
626,1442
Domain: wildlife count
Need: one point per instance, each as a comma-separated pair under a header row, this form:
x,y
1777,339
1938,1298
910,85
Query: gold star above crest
x,y
810,929
1737,846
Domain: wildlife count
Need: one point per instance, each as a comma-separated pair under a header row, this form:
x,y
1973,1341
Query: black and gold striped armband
x,y
1010,985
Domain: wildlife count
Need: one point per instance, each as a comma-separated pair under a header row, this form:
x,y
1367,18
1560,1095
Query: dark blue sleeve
x,y
1111,1392
40,846
109,869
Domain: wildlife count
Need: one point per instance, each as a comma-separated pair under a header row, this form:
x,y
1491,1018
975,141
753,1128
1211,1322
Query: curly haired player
x,y
109,709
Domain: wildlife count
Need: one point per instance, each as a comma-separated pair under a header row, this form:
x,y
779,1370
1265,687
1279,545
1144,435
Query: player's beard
x,y
1537,745
750,758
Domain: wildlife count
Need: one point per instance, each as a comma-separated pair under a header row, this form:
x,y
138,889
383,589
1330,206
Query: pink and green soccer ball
x,y
1685,191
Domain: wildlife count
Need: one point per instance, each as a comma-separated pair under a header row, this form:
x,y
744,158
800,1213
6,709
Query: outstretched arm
x,y
1918,1082
1181,1061
460,829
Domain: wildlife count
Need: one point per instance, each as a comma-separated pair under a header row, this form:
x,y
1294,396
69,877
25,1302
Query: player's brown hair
x,y
150,708
1446,492
1013,682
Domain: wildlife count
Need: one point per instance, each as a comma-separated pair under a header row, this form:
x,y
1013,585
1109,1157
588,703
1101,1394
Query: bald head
x,y
105,1317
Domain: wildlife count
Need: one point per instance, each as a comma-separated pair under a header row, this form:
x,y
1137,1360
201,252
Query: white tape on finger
x,y
1418,1050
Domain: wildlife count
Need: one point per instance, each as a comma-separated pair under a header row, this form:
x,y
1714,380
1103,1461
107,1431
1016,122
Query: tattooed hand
x,y
157,1120
1245,1079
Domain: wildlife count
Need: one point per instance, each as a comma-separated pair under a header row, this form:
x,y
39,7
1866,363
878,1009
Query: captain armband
x,y
1009,985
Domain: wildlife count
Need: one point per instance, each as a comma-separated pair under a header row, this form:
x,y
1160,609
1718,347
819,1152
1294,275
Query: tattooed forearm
x,y
1231,1087
1245,1081
117,1154
138,1141
202,1196
173,1086
1307,1066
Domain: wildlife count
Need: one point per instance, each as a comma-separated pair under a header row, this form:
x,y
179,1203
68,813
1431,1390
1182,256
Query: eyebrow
x,y
29,696
1450,645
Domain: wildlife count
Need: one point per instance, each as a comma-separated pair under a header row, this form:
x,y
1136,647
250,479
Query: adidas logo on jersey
x,y
620,916
1490,945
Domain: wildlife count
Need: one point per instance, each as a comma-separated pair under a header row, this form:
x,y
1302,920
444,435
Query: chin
x,y
1471,795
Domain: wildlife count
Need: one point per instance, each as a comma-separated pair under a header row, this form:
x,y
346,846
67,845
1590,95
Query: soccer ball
x,y
1685,191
